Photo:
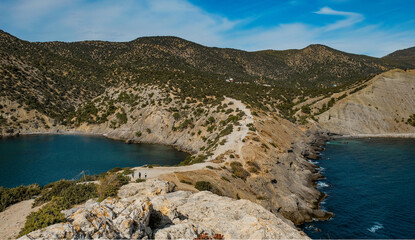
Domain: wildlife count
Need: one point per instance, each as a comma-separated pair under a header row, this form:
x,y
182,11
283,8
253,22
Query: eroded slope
x,y
382,107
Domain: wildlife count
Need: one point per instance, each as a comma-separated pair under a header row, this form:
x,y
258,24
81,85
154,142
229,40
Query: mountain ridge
x,y
71,74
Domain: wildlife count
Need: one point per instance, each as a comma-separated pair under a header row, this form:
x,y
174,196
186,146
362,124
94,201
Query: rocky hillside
x,y
383,106
406,56
56,78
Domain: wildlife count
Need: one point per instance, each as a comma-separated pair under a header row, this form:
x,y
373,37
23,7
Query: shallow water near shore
x,y
47,158
370,186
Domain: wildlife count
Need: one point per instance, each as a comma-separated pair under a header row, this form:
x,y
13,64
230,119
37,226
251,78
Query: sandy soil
x,y
158,171
234,140
14,217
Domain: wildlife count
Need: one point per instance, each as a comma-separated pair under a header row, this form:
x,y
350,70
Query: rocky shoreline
x,y
280,178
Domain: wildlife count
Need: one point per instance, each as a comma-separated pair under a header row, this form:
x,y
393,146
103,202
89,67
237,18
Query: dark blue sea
x,y
370,185
47,158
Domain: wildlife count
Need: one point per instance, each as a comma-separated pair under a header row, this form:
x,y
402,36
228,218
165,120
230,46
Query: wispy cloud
x,y
351,18
113,20
74,20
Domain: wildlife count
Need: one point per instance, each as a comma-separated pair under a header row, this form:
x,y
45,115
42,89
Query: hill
x,y
56,78
406,56
382,107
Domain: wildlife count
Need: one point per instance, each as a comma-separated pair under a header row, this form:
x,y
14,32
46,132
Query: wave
x,y
320,169
313,162
375,227
322,184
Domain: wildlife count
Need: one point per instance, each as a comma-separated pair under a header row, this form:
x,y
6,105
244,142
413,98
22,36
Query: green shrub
x,y
45,216
127,171
109,185
203,186
251,127
176,116
88,178
59,195
189,160
239,171
306,109
138,134
9,196
411,120
122,117
52,190
116,169
185,182
71,192
138,180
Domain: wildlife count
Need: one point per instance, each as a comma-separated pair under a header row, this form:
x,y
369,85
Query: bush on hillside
x,y
9,196
203,186
71,192
46,216
239,171
109,185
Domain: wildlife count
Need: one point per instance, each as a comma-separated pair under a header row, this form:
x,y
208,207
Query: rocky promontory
x,y
153,210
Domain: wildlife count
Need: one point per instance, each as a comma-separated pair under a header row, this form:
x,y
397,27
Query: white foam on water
x,y
322,184
375,227
313,162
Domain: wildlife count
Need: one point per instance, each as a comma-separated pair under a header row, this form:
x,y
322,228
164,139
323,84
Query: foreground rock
x,y
151,210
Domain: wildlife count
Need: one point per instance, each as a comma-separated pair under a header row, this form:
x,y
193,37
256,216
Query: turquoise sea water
x,y
370,185
47,158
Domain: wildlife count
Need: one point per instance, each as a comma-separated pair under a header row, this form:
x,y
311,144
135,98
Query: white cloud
x,y
115,20
75,20
284,36
351,18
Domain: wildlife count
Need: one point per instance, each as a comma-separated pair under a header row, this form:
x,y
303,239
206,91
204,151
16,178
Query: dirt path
x,y
158,171
234,140
14,217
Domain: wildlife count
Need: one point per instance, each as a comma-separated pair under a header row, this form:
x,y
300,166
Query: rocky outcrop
x,y
381,108
151,210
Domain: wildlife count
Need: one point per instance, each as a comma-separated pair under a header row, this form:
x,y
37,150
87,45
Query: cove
x,y
370,187
47,158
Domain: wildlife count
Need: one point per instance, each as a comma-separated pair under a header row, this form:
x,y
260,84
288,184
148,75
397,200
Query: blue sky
x,y
374,28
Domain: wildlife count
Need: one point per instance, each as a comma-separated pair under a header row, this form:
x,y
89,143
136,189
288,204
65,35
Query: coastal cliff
x,y
381,108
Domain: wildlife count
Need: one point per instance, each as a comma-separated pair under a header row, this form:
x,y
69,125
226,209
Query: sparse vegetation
x,y
203,186
411,120
9,196
238,170
77,77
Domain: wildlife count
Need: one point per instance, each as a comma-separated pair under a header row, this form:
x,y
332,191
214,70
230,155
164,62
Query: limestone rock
x,y
149,210
151,187
110,219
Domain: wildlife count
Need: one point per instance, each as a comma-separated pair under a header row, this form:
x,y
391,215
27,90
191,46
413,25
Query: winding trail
x,y
233,143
